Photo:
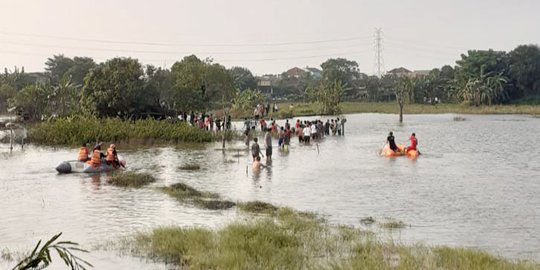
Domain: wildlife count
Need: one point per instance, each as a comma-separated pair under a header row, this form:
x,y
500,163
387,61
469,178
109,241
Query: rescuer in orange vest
x,y
96,156
112,156
83,153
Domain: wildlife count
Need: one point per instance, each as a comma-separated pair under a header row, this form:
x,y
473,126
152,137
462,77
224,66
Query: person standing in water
x,y
257,165
255,149
392,142
268,144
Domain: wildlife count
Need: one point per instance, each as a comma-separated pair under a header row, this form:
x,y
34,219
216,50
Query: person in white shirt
x,y
307,133
313,128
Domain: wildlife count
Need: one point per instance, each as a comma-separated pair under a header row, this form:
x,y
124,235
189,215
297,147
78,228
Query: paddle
x,y
382,147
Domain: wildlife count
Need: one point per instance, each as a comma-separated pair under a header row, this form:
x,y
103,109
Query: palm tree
x,y
485,89
63,95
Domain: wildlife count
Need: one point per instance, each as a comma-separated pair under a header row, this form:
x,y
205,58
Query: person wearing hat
x,y
391,142
112,156
96,156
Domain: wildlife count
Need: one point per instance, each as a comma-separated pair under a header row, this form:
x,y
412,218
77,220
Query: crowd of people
x,y
206,121
262,110
306,131
95,159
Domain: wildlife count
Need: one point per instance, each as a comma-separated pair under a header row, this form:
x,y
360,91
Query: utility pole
x,y
379,61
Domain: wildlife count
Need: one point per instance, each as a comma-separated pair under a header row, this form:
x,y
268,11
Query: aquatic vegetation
x,y
190,167
286,239
40,257
6,255
183,191
393,224
75,130
257,207
131,179
213,204
367,220
206,200
459,118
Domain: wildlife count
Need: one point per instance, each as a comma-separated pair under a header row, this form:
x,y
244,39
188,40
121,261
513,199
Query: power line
x,y
299,57
171,52
426,44
188,44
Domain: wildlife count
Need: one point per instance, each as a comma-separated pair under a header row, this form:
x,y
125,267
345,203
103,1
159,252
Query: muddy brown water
x,y
476,185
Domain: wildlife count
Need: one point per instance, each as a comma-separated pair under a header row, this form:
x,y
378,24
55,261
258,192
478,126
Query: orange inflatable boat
x,y
387,152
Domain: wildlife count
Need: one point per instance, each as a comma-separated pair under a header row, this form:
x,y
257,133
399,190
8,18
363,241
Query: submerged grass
x,y
131,179
189,167
287,239
393,224
258,207
76,130
206,200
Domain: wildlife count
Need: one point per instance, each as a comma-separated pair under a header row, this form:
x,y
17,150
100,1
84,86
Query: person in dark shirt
x,y
327,127
255,149
391,142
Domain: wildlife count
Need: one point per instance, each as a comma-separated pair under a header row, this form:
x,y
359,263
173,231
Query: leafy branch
x,y
40,258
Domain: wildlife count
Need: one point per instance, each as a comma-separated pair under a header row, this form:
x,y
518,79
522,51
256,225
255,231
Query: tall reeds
x,y
75,130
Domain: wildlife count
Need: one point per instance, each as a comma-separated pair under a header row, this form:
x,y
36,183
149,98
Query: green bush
x,y
76,130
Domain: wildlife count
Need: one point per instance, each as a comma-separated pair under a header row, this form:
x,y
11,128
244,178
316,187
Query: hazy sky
x,y
266,36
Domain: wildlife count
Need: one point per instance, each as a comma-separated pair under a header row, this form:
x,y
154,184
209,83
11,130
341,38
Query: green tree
x,y
293,87
219,85
33,99
189,82
372,85
64,97
243,78
525,70
340,69
198,84
8,86
80,68
343,70
243,102
161,82
58,66
328,95
114,88
477,61
485,89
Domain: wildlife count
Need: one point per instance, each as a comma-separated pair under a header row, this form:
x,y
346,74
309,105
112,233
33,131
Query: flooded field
x,y
476,185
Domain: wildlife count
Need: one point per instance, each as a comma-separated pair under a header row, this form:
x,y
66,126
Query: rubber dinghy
x,y
387,152
76,166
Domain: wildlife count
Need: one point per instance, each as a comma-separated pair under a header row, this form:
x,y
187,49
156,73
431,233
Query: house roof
x,y
399,70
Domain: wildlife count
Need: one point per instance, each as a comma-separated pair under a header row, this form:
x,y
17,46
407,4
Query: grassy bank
x,y
308,109
286,239
75,130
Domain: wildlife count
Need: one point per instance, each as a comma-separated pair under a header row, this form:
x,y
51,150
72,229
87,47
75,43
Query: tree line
x,y
123,87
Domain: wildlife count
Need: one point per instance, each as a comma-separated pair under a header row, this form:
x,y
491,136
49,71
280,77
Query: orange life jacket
x,y
96,158
83,154
110,154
